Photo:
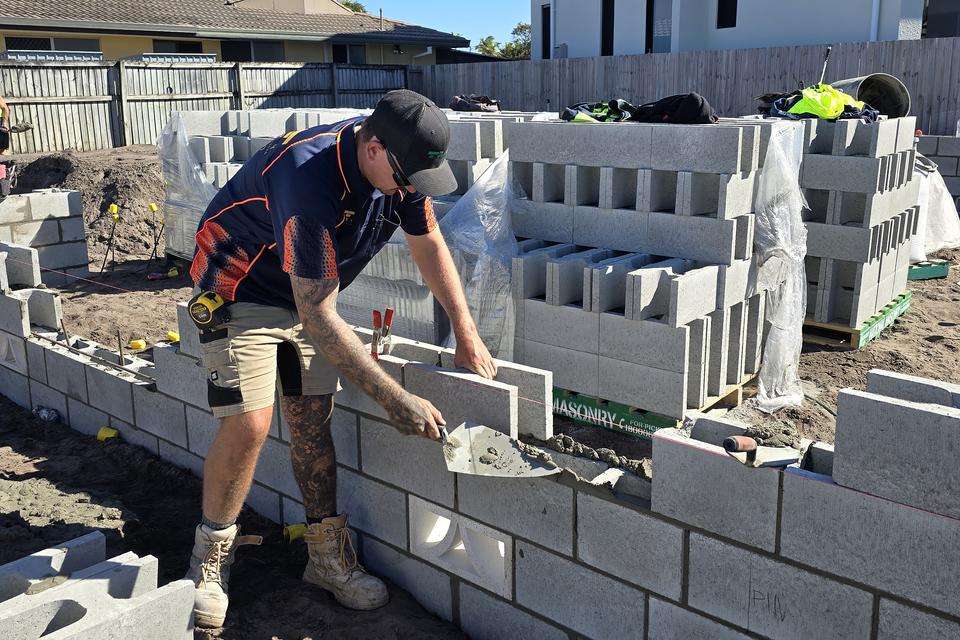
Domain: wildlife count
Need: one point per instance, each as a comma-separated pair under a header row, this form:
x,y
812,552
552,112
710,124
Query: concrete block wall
x,y
945,152
862,197
51,222
73,592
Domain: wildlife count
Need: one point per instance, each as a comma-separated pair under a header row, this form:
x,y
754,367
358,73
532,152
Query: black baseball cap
x,y
417,133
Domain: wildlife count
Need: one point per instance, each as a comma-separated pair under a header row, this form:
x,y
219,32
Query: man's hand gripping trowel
x,y
482,451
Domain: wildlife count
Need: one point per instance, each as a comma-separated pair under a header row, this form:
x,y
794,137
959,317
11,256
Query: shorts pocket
x,y
223,379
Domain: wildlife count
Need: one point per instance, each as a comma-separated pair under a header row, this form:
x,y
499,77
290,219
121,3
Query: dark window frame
x,y
607,12
726,14
177,46
22,40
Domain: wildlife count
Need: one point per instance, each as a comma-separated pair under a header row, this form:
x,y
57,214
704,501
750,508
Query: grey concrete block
x,y
569,593
221,148
875,454
947,166
67,557
699,148
412,463
657,190
647,289
36,234
161,416
43,396
55,203
484,617
189,333
110,391
692,237
15,387
572,370
431,587
618,188
275,469
630,545
181,458
529,270
343,429
179,376
565,277
773,599
841,242
15,208
292,511
464,397
373,507
899,621
65,254
698,363
912,388
539,509
871,540
14,316
4,280
465,548
72,230
693,294
927,145
134,436
844,173
626,146
582,186
737,344
201,426
548,182
645,342
604,283
35,359
200,149
874,139
13,353
720,323
543,220
698,483
264,501
948,146
44,307
756,315
86,419
670,622
567,326
465,141
618,229
23,264
66,372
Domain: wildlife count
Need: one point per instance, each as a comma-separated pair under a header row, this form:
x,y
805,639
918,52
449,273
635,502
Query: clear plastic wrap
x,y
780,246
478,232
186,191
938,226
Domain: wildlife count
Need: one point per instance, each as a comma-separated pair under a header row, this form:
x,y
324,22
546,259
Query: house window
x,y
726,14
606,28
177,46
268,51
235,51
52,44
350,53
28,44
252,51
545,25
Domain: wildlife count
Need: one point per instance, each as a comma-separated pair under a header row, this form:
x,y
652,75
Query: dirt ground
x,y
57,484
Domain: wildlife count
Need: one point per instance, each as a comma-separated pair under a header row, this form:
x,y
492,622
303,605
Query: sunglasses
x,y
398,176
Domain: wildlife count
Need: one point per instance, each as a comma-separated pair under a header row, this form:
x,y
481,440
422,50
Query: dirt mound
x,y
128,177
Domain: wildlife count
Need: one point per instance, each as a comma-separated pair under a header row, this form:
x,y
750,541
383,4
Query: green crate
x,y
929,270
590,411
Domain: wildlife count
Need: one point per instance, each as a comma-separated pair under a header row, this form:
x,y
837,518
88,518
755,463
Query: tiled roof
x,y
209,17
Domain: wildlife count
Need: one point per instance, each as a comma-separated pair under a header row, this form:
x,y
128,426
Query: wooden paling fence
x,y
101,105
730,80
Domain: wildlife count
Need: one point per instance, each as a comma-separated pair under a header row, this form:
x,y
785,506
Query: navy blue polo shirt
x,y
299,206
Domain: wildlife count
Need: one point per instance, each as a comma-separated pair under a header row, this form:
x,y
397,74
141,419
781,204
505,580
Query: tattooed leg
x,y
312,453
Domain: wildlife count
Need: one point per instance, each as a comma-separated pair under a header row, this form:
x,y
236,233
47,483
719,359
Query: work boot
x,y
333,566
210,571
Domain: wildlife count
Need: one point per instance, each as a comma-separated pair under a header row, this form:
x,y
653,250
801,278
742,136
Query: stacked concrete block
x,y
49,221
945,152
73,592
862,197
646,234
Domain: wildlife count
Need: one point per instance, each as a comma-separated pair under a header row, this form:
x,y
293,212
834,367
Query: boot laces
x,y
212,561
348,553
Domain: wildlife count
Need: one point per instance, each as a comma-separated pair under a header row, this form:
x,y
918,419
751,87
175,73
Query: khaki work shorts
x,y
244,356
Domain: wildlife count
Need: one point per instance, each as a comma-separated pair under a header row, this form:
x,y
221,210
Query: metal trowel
x,y
482,451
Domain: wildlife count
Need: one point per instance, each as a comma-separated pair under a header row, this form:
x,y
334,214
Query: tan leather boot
x,y
333,566
210,571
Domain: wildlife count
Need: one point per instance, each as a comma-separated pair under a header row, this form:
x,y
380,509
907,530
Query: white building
x,y
584,28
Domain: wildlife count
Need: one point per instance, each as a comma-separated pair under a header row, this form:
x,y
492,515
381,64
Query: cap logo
x,y
436,154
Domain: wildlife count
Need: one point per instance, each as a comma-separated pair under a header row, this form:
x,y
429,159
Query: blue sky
x,y
473,20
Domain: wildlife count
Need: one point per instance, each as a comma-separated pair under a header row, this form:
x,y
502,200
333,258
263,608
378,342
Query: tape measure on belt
x,y
207,310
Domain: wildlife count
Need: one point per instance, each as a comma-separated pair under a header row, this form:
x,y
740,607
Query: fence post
x,y
124,114
241,93
333,84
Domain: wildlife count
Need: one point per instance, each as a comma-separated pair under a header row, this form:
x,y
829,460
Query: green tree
x,y
354,6
488,47
519,47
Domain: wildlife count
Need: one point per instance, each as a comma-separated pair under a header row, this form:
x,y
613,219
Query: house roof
x,y
214,19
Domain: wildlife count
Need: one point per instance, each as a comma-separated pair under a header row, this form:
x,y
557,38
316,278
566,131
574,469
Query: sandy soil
x,y
57,484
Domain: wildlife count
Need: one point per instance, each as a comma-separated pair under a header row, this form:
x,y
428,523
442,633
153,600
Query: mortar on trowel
x,y
479,450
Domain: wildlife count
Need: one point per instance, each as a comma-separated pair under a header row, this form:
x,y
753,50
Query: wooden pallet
x,y
929,270
837,335
635,421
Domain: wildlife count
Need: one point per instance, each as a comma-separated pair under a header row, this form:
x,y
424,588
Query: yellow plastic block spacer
x,y
106,433
138,345
153,207
292,532
173,336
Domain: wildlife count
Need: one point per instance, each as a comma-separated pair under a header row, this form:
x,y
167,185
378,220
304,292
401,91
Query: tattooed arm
x,y
317,305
